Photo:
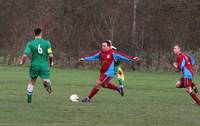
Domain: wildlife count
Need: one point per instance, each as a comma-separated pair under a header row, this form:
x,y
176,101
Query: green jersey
x,y
39,49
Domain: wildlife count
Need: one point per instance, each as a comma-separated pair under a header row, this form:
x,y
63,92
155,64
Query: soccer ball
x,y
74,98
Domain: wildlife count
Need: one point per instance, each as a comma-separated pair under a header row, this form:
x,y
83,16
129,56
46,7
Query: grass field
x,y
151,99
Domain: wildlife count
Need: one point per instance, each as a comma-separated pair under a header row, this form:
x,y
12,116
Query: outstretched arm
x,y
123,57
93,56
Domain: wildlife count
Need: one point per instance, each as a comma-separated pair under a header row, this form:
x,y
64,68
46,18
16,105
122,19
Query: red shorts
x,y
104,78
185,82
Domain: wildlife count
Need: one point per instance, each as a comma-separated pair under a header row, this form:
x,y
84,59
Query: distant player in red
x,y
185,65
107,57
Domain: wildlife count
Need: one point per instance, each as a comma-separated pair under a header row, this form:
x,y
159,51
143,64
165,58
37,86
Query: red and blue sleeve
x,y
181,62
121,56
93,56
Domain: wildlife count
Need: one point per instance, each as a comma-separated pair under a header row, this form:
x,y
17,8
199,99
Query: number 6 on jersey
x,y
40,51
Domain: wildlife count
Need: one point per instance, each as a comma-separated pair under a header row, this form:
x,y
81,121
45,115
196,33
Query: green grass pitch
x,y
151,99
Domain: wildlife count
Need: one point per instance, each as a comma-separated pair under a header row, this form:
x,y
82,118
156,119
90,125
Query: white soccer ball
x,y
74,98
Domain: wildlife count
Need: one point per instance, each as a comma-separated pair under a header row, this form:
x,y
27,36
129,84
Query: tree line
x,y
76,28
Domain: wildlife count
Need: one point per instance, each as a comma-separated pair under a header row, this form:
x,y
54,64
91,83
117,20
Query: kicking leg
x,y
96,88
93,92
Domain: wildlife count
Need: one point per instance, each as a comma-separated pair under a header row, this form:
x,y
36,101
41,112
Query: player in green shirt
x,y
41,61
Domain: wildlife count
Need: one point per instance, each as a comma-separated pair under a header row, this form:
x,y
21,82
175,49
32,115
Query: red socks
x,y
195,97
93,92
112,86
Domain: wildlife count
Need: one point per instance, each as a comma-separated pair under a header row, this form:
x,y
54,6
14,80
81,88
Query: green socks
x,y
120,83
29,97
29,92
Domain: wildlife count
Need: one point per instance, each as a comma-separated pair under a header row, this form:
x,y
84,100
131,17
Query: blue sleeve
x,y
94,56
182,64
121,57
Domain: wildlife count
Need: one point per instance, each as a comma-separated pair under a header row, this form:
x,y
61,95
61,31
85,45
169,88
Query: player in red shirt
x,y
107,57
185,65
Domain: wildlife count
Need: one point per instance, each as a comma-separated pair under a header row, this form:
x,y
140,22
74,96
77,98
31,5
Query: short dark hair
x,y
37,31
108,42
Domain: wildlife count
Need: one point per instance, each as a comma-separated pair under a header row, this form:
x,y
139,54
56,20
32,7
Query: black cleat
x,y
121,91
86,100
195,89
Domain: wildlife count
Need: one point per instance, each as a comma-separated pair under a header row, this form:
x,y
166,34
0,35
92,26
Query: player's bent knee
x,y
178,85
188,90
98,84
104,85
98,81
